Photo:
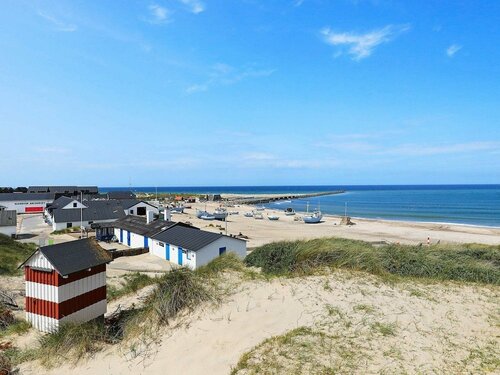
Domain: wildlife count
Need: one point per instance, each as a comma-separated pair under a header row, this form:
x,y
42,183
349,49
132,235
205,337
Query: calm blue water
x,y
462,204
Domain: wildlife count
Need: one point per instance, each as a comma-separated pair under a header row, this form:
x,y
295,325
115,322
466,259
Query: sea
x,y
458,204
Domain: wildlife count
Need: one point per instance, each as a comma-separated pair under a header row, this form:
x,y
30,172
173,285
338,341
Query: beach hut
x,y
65,283
193,247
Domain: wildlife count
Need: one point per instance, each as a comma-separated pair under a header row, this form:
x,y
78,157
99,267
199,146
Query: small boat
x,y
289,211
177,210
234,213
261,208
248,214
207,217
258,216
220,213
273,217
200,213
313,218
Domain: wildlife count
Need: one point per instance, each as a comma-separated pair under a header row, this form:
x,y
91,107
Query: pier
x,y
279,197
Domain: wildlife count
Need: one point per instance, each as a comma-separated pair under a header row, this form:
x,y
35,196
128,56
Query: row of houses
x,y
66,212
176,242
38,197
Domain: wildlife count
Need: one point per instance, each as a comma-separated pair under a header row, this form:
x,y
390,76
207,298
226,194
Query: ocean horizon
x,y
455,204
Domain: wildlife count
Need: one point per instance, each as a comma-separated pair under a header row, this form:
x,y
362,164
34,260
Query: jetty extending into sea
x,y
260,199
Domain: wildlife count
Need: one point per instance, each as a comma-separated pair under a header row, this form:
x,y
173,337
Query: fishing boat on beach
x,y
258,215
313,218
220,213
248,214
200,213
273,217
260,208
289,211
207,217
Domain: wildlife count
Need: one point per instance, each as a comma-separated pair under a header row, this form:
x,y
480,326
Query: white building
x,y
192,247
137,207
135,231
8,222
26,202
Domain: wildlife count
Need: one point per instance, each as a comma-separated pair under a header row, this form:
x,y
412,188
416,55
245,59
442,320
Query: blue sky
x,y
249,92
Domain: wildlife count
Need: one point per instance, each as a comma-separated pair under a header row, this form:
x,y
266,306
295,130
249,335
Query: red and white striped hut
x,y
65,283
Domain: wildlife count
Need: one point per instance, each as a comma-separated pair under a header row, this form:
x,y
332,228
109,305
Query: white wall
x,y
70,205
8,231
192,259
85,224
136,240
211,251
20,206
133,210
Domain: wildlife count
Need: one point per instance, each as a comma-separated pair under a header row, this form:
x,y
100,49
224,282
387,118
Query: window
x,y
161,244
69,225
75,204
141,211
131,212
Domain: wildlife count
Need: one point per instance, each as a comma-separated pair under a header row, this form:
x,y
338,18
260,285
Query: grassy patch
x,y
12,253
67,230
131,284
469,262
385,329
300,351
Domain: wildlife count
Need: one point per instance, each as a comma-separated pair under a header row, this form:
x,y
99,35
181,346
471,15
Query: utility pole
x,y
81,214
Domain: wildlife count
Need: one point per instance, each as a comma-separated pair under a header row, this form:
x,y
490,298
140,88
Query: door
x,y
146,245
167,251
128,238
179,256
222,250
121,235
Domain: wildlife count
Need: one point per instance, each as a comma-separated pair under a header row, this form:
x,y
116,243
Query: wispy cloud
x,y
453,49
442,149
194,6
224,74
360,46
297,3
51,150
158,14
57,23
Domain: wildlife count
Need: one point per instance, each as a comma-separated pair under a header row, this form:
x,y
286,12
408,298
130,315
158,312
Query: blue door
x,y
167,251
146,242
179,256
121,235
128,238
222,250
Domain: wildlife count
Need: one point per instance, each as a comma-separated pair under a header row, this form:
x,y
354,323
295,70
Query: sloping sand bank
x,y
408,327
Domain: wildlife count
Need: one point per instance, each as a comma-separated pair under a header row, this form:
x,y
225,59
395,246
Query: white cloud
x,y
224,74
360,46
158,14
451,50
195,6
58,24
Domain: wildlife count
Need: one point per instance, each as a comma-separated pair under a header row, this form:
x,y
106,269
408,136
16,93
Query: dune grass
x,y
12,253
468,262
131,283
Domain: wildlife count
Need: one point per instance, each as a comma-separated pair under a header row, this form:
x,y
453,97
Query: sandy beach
x,y
286,228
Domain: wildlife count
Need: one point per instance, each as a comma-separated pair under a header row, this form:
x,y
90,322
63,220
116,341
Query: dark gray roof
x,y
8,218
127,203
138,225
25,196
188,237
63,189
97,210
74,256
60,202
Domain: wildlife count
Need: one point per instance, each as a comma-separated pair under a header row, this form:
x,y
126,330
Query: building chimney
x,y
149,216
166,215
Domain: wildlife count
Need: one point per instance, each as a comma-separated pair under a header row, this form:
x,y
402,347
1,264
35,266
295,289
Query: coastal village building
x,y
26,202
65,283
135,231
67,212
8,222
193,247
66,190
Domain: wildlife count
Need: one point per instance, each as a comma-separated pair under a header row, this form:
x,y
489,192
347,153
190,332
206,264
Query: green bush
x,y
13,253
